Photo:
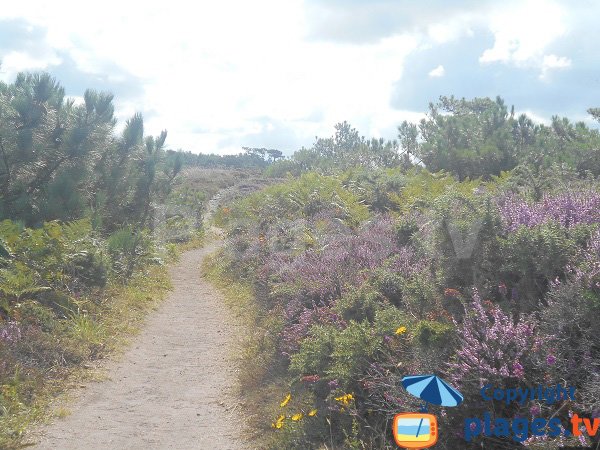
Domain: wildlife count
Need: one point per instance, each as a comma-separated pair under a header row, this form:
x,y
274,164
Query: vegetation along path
x,y
173,388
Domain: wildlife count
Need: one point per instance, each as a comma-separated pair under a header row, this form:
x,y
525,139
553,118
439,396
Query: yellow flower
x,y
279,422
297,417
401,330
312,412
286,400
345,399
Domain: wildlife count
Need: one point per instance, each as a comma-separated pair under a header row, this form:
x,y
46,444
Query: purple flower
x,y
10,332
517,370
491,343
514,294
333,384
551,360
567,209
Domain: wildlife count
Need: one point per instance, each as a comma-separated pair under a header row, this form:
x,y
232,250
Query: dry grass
x,y
210,181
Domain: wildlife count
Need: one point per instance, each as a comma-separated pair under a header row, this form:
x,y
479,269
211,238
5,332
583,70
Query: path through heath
x,y
173,388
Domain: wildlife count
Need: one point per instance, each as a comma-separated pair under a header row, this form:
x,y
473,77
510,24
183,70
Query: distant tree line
x,y
251,157
468,138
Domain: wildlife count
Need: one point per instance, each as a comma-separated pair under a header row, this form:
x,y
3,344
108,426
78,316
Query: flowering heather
x,y
568,209
293,334
10,332
588,269
342,260
406,262
493,346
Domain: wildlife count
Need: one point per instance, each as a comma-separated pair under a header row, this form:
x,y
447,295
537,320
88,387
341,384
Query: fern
x,y
19,283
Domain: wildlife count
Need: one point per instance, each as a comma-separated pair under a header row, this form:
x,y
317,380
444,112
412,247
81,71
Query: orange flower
x,y
310,378
451,293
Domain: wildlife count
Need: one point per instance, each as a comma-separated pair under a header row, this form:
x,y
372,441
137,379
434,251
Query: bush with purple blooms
x,y
567,209
363,298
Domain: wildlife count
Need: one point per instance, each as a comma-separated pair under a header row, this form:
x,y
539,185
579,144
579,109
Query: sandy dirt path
x,y
173,388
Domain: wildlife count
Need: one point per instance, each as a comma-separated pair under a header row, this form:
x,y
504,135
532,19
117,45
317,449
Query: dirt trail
x,y
173,388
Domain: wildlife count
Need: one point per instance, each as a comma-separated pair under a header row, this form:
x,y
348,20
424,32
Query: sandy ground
x,y
173,388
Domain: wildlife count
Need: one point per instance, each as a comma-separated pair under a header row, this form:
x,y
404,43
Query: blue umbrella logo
x,y
432,389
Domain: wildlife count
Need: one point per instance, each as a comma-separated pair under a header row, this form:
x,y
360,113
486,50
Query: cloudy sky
x,y
222,75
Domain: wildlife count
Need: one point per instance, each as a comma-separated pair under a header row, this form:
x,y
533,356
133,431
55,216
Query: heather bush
x,y
364,302
342,262
493,346
571,317
532,257
496,349
567,209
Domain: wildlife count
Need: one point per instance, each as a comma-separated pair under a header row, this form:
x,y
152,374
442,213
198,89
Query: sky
x,y
225,74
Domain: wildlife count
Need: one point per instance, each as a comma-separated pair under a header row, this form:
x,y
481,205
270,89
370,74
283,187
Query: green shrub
x,y
532,257
33,313
433,334
315,351
302,198
359,306
129,249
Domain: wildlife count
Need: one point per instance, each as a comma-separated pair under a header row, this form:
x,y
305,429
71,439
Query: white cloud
x,y
438,72
551,62
15,62
523,33
222,67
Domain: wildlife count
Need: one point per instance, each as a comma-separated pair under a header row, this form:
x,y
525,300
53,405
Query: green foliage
x,y
59,159
301,198
33,313
344,354
480,138
473,140
376,188
76,205
422,188
359,306
19,283
54,256
433,334
240,161
532,257
344,150
129,249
